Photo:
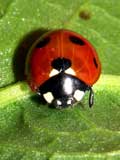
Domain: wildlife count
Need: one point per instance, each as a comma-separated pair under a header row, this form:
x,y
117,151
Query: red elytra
x,y
62,44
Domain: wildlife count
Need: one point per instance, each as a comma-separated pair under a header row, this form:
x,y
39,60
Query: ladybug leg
x,y
91,97
38,92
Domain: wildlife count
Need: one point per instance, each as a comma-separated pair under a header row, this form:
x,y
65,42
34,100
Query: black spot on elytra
x,y
76,40
43,42
61,64
95,62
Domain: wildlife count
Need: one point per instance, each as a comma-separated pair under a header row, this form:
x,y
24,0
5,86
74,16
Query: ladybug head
x,y
63,90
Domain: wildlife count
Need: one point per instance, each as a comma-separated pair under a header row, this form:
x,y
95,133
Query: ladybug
x,y
61,66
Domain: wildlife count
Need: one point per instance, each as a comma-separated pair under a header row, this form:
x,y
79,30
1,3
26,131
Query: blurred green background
x,y
29,130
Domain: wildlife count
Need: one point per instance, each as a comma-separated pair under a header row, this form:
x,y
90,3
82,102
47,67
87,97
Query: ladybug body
x,y
61,66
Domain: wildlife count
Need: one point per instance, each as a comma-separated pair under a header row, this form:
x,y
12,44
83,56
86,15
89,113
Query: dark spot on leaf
x,y
95,62
85,15
43,42
76,40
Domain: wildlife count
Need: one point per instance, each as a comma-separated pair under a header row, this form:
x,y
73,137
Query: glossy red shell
x,y
85,61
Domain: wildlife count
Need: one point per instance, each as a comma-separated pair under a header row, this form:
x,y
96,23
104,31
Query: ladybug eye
x,y
76,40
43,42
95,62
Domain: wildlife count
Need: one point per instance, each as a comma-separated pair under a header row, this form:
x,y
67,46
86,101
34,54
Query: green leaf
x,y
30,130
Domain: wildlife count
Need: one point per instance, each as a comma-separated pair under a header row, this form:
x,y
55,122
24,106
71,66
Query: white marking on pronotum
x,y
68,86
69,102
78,95
70,71
48,97
59,102
53,72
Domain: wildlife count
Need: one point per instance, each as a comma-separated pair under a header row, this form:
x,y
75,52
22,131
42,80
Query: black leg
x,y
91,98
38,92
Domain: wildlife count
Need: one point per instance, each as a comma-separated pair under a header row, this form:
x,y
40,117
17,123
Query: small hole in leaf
x,y
85,14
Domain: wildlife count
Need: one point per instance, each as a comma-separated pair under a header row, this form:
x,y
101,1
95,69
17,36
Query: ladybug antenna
x,y
91,97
